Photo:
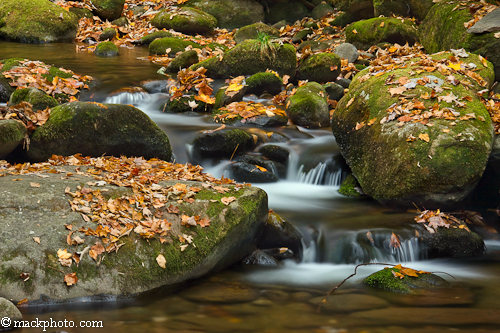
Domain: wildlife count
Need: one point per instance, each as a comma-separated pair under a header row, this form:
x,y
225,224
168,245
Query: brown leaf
x,y
424,137
227,200
161,261
70,279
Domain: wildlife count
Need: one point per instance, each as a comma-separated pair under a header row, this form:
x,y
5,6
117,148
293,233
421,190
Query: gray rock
x,y
334,91
8,310
347,51
489,23
95,130
259,257
279,233
222,143
289,12
275,153
43,212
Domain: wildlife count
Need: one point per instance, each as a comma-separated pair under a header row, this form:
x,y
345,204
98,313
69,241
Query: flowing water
x,y
334,229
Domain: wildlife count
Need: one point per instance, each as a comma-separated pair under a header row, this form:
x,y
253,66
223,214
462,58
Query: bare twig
x,y
234,152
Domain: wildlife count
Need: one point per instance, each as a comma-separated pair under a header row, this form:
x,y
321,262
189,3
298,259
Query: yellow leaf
x,y
63,254
382,24
456,66
424,137
261,168
446,130
354,31
37,239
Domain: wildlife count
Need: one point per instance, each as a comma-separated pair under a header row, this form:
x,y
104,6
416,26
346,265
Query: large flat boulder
x,y
88,228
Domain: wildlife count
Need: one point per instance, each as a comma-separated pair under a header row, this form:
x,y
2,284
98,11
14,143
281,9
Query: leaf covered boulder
x,y
416,131
121,227
37,21
456,18
95,129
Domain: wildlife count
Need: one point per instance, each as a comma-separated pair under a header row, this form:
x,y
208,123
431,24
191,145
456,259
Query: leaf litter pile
x,y
141,212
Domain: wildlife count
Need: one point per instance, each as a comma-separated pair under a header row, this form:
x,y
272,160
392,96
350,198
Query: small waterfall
x,y
320,175
128,98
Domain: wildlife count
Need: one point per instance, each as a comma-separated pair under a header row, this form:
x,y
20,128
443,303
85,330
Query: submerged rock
x,y
189,251
345,303
364,34
94,129
387,280
402,162
37,21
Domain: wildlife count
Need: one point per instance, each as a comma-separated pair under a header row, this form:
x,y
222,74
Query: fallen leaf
x,y
34,184
161,261
227,200
37,239
63,254
70,279
424,137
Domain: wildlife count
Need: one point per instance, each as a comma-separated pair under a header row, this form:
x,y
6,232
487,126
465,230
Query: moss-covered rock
x,y
133,269
334,91
231,14
250,57
365,33
262,82
222,144
81,12
391,162
108,33
161,45
443,17
289,12
321,10
252,32
181,105
308,107
106,49
37,21
98,129
183,60
350,187
390,7
121,21
452,243
385,279
12,133
147,39
108,9
319,67
37,98
187,20
420,8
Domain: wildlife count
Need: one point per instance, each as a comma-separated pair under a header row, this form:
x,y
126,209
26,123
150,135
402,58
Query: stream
x,y
285,298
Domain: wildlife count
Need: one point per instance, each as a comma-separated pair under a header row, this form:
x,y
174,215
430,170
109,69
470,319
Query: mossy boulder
x,y
308,107
385,279
252,32
290,12
319,67
181,105
443,17
264,82
108,9
108,33
420,8
81,12
106,49
183,60
147,39
452,242
222,144
97,129
251,57
404,163
12,133
231,14
187,20
133,269
334,91
173,45
366,33
390,7
37,98
37,21
321,10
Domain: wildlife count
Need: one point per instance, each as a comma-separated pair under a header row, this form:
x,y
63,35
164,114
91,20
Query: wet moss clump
x,y
350,187
37,98
160,45
106,49
189,21
320,67
261,82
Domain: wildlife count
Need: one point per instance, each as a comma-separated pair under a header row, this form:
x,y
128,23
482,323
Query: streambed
x,y
283,299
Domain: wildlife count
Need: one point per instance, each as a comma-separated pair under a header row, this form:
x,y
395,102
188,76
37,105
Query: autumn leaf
x,y
70,279
397,91
63,254
394,243
34,184
227,200
424,137
205,222
37,239
161,261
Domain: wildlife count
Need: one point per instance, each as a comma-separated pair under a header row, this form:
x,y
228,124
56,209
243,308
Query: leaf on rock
x,y
424,137
161,261
227,200
37,239
70,279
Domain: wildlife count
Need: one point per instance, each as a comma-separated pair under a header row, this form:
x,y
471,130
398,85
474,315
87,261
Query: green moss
x,y
8,64
385,279
251,32
11,131
37,98
36,21
106,49
189,20
183,60
260,82
320,67
308,106
160,45
348,186
370,32
155,35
